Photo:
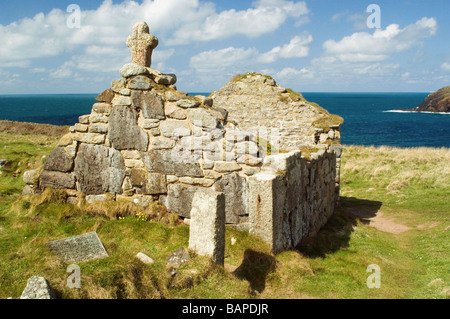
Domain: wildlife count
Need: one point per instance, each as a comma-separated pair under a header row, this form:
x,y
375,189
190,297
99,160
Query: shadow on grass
x,y
254,268
335,235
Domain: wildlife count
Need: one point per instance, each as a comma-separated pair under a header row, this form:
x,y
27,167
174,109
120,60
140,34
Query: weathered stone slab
x,y
89,138
59,160
149,183
166,79
101,128
38,288
187,103
152,105
236,196
178,258
120,100
140,83
124,132
99,169
266,208
144,258
131,69
202,117
175,128
226,166
179,198
102,108
57,180
166,162
207,226
84,119
31,177
161,142
106,96
79,248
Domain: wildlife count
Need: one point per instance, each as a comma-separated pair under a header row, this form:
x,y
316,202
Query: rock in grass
x,y
178,258
38,288
144,258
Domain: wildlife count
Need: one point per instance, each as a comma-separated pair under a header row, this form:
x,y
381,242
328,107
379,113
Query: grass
x,y
409,186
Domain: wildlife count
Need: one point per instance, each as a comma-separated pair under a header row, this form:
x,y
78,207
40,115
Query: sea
x,y
369,118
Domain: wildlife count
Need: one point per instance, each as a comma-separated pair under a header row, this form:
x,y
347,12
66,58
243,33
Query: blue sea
x,y
367,116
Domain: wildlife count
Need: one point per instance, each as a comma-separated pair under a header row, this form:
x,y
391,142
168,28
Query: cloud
x,y
267,16
221,59
445,66
296,48
177,21
64,71
366,47
231,56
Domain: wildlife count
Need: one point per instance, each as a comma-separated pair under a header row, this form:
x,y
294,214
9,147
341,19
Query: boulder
x,y
151,104
188,103
31,177
148,183
102,108
59,160
140,83
106,96
57,180
99,169
236,196
130,69
144,258
178,258
175,128
179,198
226,166
168,163
38,288
124,132
166,79
202,117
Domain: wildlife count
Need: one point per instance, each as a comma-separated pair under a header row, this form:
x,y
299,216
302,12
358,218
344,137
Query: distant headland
x,y
437,102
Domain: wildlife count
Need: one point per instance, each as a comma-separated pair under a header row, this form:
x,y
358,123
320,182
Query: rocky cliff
x,y
438,101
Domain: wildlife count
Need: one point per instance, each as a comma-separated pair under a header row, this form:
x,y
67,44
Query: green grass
x,y
409,186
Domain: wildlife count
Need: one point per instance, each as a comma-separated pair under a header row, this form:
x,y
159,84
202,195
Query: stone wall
x,y
256,102
292,197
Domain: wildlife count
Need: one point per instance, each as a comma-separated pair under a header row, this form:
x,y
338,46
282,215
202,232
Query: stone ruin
x,y
252,154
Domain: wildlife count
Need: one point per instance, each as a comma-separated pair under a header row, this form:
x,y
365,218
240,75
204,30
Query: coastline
x,y
411,111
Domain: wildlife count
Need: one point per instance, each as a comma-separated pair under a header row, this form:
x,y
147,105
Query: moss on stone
x,y
240,77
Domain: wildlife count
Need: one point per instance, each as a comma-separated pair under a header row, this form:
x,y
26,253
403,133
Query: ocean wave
x,y
405,111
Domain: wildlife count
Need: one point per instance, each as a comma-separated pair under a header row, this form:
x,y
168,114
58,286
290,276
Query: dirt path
x,y
378,220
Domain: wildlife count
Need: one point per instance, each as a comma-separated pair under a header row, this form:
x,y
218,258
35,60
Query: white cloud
x,y
231,56
221,59
177,21
366,47
445,66
296,48
64,71
267,16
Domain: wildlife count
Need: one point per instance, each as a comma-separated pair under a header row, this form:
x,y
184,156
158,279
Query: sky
x,y
60,47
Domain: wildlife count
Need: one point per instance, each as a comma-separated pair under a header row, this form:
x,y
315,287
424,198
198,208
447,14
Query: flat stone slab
x,y
79,248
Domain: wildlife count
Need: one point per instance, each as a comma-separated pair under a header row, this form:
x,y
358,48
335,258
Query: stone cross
x,y
141,44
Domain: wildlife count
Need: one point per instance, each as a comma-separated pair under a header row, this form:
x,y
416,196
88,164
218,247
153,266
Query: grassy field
x,y
394,213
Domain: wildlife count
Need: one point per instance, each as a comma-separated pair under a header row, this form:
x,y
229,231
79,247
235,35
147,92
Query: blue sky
x,y
309,46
